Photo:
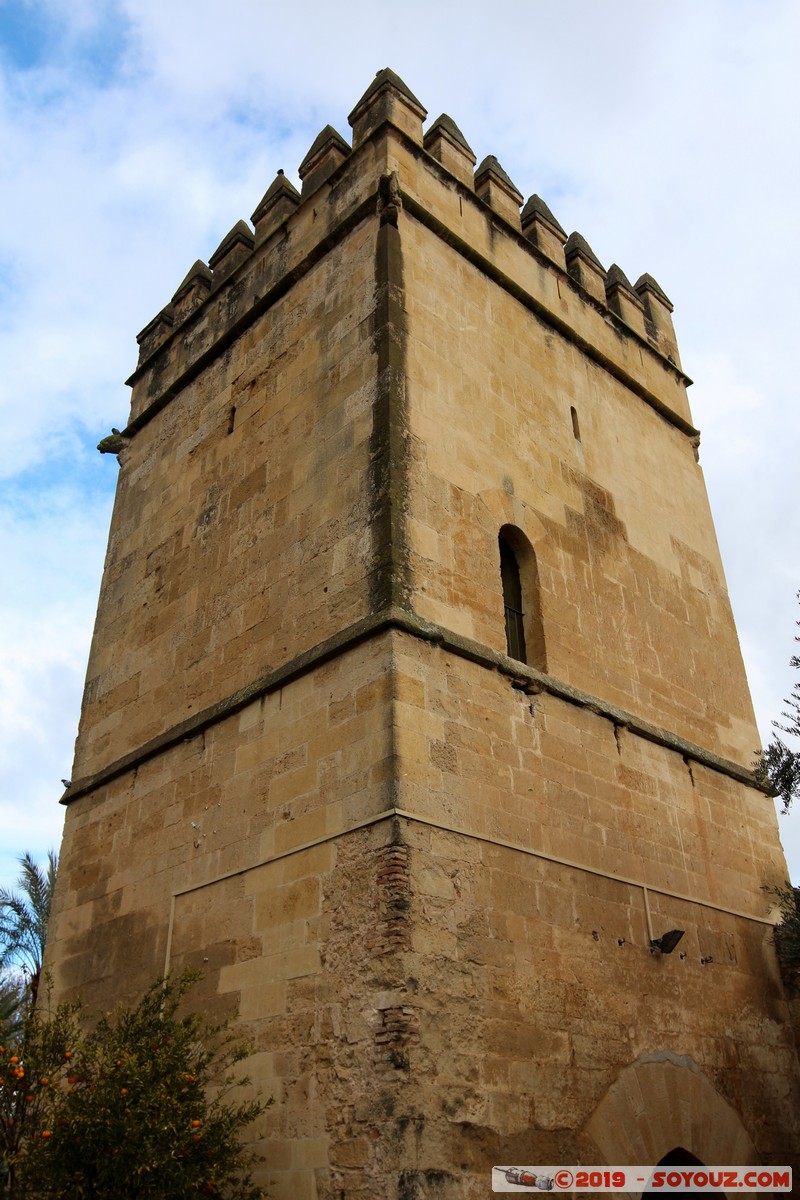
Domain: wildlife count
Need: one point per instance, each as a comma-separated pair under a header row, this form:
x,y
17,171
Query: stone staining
x,y
423,875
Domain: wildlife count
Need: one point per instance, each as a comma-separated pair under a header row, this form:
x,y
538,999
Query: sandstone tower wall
x,y
424,869
628,567
241,533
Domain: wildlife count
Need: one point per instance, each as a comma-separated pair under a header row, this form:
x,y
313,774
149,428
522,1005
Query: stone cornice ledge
x,y
526,678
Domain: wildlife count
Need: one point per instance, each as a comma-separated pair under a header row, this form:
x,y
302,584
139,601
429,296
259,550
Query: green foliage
x,y
779,765
138,1108
33,1066
24,918
787,934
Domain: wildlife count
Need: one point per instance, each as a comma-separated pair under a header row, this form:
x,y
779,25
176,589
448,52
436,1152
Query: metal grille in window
x,y
515,635
512,602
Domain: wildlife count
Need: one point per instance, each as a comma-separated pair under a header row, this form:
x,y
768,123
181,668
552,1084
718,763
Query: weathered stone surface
x,y
423,876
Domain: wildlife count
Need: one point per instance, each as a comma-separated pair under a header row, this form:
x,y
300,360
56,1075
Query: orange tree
x,y
34,1059
140,1106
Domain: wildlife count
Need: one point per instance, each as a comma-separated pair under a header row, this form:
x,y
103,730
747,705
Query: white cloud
x,y
665,134
52,544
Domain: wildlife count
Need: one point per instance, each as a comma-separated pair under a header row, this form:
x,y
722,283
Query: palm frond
x,y
11,1006
25,916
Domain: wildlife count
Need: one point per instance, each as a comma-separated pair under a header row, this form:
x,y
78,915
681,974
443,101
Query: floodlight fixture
x,y
667,942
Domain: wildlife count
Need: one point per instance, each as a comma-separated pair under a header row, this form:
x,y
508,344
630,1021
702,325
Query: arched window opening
x,y
523,616
512,600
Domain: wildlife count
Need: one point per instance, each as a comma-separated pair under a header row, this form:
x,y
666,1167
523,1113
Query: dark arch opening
x,y
520,580
679,1157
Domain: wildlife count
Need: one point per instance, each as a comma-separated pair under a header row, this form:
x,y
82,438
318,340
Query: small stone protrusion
x,y
445,142
114,443
234,248
387,99
277,204
494,187
390,199
658,316
541,227
192,291
328,151
155,332
585,267
623,300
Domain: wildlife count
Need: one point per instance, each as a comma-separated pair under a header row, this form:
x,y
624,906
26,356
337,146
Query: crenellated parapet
x,y
155,332
445,141
192,292
623,300
234,248
479,209
658,316
585,267
542,229
276,206
494,187
387,100
328,151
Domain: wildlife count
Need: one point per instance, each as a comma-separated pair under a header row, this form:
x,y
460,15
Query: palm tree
x,y
10,1006
24,917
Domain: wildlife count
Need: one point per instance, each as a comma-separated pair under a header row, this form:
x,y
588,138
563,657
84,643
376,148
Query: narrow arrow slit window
x,y
512,600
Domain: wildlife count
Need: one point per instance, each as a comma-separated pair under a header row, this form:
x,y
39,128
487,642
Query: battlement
x,y
522,245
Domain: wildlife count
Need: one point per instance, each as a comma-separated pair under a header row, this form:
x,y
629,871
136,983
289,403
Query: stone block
x,y
287,903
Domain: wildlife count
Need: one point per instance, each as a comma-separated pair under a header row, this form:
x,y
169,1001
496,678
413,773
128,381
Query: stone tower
x,y
415,712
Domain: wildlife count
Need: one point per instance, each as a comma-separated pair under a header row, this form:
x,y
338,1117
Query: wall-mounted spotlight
x,y
667,942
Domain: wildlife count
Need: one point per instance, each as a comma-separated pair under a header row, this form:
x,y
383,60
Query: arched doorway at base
x,y
678,1157
661,1104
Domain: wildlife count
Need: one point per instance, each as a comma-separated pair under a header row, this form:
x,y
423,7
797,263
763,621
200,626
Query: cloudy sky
x,y
135,133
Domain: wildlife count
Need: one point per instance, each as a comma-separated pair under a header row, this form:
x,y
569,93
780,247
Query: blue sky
x,y
133,136
86,37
